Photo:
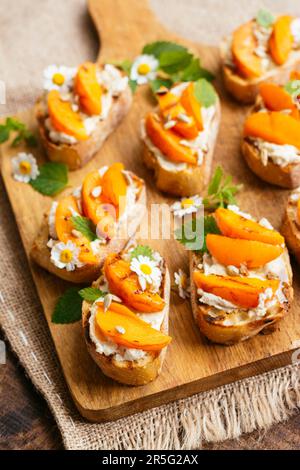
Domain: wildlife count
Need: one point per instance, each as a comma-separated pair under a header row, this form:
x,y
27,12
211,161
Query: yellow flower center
x,y
66,256
58,79
146,269
143,69
187,202
25,167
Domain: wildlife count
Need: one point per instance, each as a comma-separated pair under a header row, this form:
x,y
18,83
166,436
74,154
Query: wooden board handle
x,y
123,26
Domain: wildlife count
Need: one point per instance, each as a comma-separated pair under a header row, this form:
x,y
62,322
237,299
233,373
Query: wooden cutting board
x,y
192,364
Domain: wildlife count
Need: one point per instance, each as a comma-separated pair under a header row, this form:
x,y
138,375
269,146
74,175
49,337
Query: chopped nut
x,y
76,233
120,329
244,270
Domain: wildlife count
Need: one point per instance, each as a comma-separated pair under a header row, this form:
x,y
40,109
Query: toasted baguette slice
x,y
246,90
190,180
40,253
77,155
211,320
291,230
138,372
285,177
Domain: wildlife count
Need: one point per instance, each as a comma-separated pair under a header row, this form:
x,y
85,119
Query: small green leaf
x,y
158,47
4,133
141,250
174,61
84,226
68,307
160,82
30,139
293,88
126,66
90,294
205,93
215,181
133,85
193,233
52,179
194,71
17,140
14,124
265,18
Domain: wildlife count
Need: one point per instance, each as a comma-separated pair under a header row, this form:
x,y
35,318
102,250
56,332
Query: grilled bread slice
x,y
290,228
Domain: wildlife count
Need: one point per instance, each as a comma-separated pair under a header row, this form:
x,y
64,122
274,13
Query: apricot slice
x,y
298,209
244,44
66,208
276,98
88,89
168,142
125,328
234,251
191,105
241,291
63,118
235,226
167,99
114,184
124,283
188,129
275,127
281,40
295,75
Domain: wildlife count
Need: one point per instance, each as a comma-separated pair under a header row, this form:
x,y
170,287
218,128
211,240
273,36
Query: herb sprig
x,y
84,226
221,191
141,250
23,134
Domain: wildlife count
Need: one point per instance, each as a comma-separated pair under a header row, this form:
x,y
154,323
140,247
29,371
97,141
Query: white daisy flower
x,y
147,271
182,282
24,167
144,69
65,255
58,77
186,206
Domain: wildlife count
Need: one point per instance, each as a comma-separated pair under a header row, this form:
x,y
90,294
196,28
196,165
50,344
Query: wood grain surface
x,y
192,364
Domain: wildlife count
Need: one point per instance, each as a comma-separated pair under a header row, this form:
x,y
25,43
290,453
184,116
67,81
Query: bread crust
x,y
186,182
40,253
138,372
285,177
213,327
77,155
246,90
290,230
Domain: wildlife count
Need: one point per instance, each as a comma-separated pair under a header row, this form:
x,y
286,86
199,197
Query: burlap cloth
x,y
33,35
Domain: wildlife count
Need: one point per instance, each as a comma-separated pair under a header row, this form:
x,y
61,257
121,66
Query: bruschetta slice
x,y
291,224
242,284
75,120
271,141
82,228
265,48
126,328
179,138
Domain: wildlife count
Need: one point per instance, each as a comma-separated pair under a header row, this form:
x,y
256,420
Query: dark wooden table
x,y
26,422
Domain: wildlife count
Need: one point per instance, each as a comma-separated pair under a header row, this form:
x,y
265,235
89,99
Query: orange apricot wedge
x,y
188,130
135,333
124,283
241,291
234,225
276,98
244,44
295,75
281,40
88,89
63,118
114,184
168,142
298,209
191,105
66,208
275,127
166,99
235,251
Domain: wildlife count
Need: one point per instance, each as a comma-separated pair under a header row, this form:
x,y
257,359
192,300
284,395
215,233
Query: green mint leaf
x,y
160,82
52,179
133,85
90,294
174,61
194,71
159,47
141,250
29,138
125,66
14,124
84,226
215,181
265,18
68,307
17,140
205,93
293,88
193,233
4,133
